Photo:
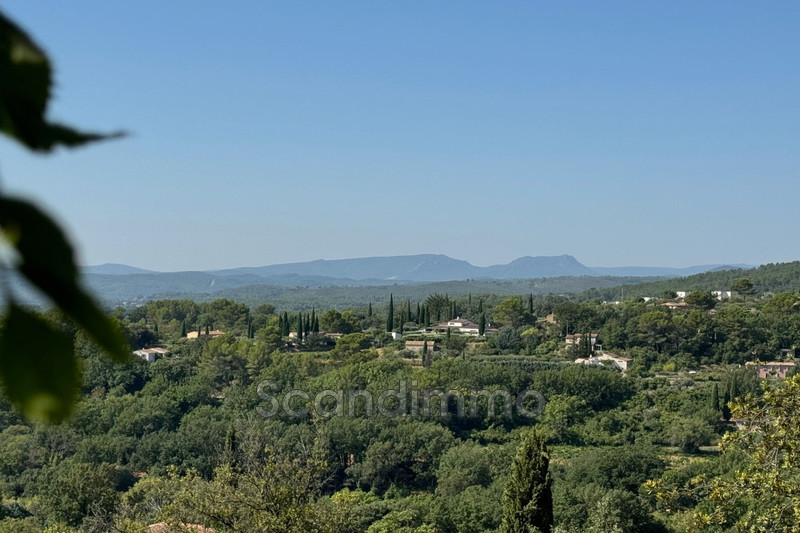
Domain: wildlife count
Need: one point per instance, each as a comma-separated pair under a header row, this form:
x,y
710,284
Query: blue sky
x,y
624,133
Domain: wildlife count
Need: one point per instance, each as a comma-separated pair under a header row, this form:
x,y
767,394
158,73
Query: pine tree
x,y
482,324
528,498
390,316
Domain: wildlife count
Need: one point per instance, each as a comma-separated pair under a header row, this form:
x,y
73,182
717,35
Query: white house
x,y
150,354
604,358
456,325
723,295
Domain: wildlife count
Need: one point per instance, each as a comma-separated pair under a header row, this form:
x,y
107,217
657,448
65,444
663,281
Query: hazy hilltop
x,y
115,269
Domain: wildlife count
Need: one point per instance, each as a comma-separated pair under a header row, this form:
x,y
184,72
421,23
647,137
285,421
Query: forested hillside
x,y
769,278
182,440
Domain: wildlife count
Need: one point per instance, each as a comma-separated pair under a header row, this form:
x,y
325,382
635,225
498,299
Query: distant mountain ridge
x,y
421,268
437,267
365,279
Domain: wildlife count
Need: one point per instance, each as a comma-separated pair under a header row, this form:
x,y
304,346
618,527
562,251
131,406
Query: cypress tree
x,y
419,317
528,498
155,328
530,304
230,447
480,306
408,310
316,325
715,398
287,327
469,303
427,316
369,309
586,344
183,329
726,411
482,324
448,334
390,316
207,329
400,329
425,359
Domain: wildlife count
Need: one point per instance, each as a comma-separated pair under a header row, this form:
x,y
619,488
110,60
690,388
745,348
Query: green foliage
x,y
701,299
69,489
39,371
26,77
758,495
528,499
44,256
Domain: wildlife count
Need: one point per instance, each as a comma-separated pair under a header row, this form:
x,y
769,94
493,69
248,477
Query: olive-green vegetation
x,y
180,440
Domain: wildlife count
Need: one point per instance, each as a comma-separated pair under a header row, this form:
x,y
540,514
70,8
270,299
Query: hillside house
x,y
417,346
211,334
606,358
577,339
458,325
771,369
150,354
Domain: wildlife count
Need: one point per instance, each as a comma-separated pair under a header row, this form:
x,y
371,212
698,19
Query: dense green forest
x,y
180,440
